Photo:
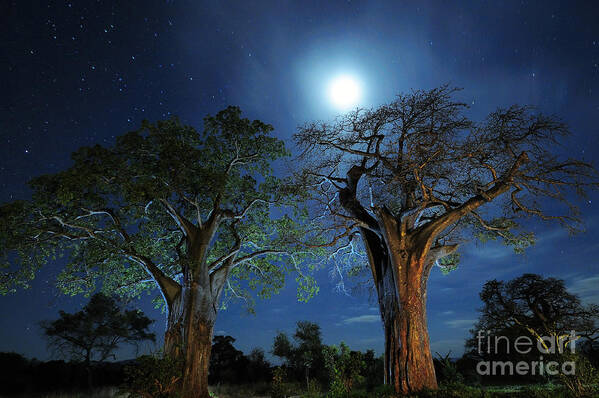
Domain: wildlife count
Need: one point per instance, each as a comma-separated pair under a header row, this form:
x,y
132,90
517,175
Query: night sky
x,y
75,73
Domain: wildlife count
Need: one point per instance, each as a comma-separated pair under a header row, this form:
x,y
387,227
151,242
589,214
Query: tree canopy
x,y
95,332
420,159
537,306
304,358
121,214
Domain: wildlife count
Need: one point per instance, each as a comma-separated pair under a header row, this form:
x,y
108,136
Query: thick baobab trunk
x,y
189,339
389,308
400,267
416,363
384,281
408,360
197,359
173,337
409,261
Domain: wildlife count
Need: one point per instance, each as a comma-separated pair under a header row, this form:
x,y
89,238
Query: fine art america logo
x,y
524,345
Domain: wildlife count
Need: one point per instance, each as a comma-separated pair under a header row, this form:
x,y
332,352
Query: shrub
x,y
583,383
543,391
153,377
446,369
344,368
384,391
280,388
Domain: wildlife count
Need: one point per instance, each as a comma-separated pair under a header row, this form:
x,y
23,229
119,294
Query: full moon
x,y
344,91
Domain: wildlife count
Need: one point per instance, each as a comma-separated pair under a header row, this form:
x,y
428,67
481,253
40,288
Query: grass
x,y
263,390
241,391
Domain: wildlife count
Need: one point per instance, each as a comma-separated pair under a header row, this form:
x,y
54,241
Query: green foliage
x,y
384,391
312,390
280,387
585,380
449,263
153,377
304,359
543,391
108,212
505,229
345,368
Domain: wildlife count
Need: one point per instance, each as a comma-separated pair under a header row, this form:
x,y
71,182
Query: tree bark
x,y
189,339
417,370
408,360
197,359
191,318
391,358
400,266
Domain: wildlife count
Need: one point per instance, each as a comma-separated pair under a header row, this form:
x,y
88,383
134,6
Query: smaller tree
x,y
95,332
540,306
345,368
305,358
258,369
226,362
542,309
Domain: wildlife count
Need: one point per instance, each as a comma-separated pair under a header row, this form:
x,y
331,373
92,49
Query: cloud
x,y
372,340
362,319
490,252
586,288
448,313
460,323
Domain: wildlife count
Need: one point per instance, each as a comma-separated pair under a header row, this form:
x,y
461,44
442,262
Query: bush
x,y
153,377
543,391
280,388
384,391
344,368
583,383
447,370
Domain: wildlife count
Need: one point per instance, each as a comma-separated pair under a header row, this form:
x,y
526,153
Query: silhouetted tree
x,y
412,177
166,207
14,370
305,357
373,370
95,332
258,368
540,307
226,362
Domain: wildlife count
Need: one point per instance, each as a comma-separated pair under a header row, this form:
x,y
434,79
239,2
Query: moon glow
x,y
344,92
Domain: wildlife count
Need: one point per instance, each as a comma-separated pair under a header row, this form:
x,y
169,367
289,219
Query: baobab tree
x,y
166,207
412,178
540,307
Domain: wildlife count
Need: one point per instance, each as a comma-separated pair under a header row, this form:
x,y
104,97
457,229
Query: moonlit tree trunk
x,y
410,263
401,290
189,339
192,314
388,304
400,268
